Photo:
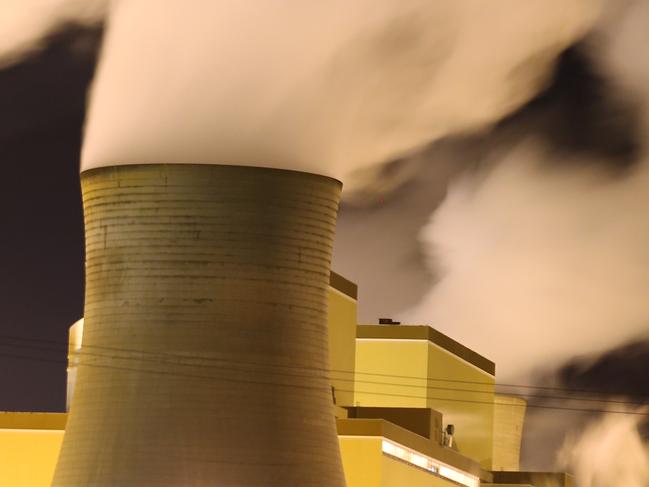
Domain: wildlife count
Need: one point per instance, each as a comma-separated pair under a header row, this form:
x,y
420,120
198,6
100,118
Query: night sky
x,y
42,104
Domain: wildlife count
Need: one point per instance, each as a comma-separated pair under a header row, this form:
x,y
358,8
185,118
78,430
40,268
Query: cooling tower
x,y
509,417
205,340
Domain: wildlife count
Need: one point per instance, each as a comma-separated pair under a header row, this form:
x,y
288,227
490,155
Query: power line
x,y
300,386
170,355
352,380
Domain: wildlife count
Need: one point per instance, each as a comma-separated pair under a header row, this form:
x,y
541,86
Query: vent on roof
x,y
388,321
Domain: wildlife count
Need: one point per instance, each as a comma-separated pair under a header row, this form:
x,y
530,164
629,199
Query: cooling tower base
x,y
204,359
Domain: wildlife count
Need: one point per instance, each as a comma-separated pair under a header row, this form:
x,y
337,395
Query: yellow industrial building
x,y
414,408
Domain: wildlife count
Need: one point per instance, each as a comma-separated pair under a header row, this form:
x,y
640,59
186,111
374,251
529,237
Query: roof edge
x,y
425,332
345,286
32,421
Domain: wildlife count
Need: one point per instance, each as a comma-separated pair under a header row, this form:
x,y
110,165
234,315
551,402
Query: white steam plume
x,y
327,87
609,453
545,260
25,24
539,264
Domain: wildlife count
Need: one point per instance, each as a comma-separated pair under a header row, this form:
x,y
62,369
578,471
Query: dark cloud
x,y
582,112
619,375
622,371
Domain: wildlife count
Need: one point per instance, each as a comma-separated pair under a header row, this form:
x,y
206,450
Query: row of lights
x,y
427,463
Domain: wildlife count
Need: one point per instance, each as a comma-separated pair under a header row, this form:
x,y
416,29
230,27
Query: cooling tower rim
x,y
508,399
117,166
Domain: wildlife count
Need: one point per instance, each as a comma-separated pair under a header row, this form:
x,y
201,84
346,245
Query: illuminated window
x,y
427,463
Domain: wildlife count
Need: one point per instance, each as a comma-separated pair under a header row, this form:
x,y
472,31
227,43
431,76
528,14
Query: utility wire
x,y
174,356
307,387
352,380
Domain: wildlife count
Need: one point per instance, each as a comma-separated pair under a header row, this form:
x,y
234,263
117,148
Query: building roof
x,y
424,332
33,421
559,479
343,285
385,429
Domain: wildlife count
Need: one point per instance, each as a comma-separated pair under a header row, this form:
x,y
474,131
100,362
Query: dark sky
x,y
41,238
42,104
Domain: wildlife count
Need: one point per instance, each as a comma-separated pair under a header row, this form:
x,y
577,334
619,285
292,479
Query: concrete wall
x,y
509,418
205,312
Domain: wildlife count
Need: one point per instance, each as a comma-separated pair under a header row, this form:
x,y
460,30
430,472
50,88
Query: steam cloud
x,y
609,452
327,87
540,264
549,256
541,256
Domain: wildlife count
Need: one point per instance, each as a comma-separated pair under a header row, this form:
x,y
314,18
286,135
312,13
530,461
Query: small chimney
x,y
388,321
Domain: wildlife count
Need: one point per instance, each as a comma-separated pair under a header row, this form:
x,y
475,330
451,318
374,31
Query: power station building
x,y
413,408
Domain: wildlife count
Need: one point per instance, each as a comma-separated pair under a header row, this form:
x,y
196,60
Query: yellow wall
x,y
28,457
468,403
404,367
362,459
378,361
342,345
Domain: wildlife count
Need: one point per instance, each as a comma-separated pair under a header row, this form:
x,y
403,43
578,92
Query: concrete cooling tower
x,y
509,419
204,359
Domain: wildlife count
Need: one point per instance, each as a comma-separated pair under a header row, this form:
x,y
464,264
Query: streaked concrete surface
x,y
205,348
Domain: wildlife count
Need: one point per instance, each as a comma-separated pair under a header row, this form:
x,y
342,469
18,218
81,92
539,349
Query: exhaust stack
x,y
204,357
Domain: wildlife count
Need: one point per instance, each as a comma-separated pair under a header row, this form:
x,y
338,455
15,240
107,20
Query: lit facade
x,y
29,447
416,367
395,389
